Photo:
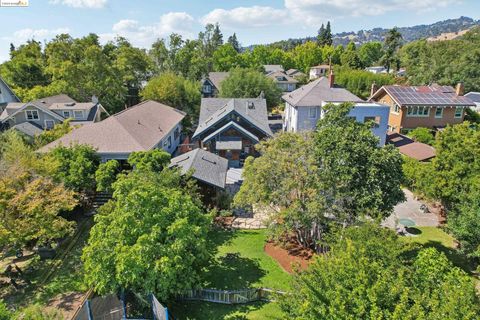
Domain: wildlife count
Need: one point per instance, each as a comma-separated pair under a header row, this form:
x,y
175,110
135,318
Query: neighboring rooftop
x,y
281,77
217,77
410,148
137,128
206,166
318,91
214,109
269,68
474,96
294,72
424,95
6,94
28,128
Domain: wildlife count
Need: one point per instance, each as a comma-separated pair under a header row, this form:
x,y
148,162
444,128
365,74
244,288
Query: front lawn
x,y
240,262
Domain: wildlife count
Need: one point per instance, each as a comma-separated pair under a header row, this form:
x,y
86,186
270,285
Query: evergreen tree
x,y
234,42
328,39
321,36
217,37
393,42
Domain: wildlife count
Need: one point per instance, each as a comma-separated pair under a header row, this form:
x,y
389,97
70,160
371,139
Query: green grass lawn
x,y
249,267
443,242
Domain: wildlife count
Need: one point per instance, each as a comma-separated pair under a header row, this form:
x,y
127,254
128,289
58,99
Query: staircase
x,y
99,199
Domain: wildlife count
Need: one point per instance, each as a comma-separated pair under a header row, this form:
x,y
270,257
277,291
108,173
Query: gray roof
x,y
3,97
138,128
29,128
215,109
294,72
273,68
58,99
424,95
217,77
474,96
281,77
318,91
207,167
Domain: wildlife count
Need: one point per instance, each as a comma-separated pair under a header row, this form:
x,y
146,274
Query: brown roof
x,y
424,95
217,77
138,128
410,148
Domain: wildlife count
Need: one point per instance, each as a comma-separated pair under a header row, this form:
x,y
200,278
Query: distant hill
x,y
442,30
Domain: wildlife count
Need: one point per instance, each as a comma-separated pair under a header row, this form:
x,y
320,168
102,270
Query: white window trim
x,y
395,106
69,114
310,113
26,115
461,113
418,115
75,117
45,122
441,114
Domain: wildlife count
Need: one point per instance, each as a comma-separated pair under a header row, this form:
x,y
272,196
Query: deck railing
x,y
231,296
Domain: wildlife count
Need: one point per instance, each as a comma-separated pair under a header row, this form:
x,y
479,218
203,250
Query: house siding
x,y
21,117
175,142
360,113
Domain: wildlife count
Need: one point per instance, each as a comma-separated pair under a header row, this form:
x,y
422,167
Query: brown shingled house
x,y
431,106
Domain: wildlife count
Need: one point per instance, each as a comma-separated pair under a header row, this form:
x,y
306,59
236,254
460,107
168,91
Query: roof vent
x,y
68,104
250,105
211,161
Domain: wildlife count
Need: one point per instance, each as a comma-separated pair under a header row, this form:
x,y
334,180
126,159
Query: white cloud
x,y
93,4
144,35
314,12
246,17
23,35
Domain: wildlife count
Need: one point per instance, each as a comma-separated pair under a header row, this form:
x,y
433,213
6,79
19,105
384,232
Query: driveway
x,y
410,209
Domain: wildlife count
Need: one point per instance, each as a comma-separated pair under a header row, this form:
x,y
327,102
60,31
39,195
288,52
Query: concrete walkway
x,y
410,209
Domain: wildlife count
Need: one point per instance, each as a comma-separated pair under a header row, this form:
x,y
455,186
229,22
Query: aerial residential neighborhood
x,y
193,160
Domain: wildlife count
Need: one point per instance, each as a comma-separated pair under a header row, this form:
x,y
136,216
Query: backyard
x,y
240,262
56,283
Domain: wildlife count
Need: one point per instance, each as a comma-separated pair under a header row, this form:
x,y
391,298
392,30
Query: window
x,y
312,112
207,88
458,112
32,115
418,111
66,114
375,120
49,124
176,134
438,112
78,114
396,108
170,140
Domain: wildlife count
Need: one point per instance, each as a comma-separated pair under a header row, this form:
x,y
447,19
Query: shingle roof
x,y
410,148
8,89
424,95
318,91
138,128
214,109
29,128
474,96
294,72
273,68
207,167
284,77
59,98
217,77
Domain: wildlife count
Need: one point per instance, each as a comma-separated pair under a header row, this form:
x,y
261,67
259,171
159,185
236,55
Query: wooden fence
x,y
231,296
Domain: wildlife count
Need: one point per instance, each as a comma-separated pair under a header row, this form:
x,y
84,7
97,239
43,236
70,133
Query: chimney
x,y
373,89
460,89
331,78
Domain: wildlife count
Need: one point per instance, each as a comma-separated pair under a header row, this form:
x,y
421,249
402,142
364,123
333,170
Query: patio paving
x,y
257,219
410,209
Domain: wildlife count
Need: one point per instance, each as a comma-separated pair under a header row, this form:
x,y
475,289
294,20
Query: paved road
x,y
410,209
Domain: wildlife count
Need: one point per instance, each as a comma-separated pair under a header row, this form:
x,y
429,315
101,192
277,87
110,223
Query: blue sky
x,y
261,21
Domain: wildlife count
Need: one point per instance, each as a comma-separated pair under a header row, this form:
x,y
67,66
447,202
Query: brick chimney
x,y
373,89
460,89
331,78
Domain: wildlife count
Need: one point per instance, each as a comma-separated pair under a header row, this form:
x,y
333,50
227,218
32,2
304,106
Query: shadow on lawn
x,y
212,311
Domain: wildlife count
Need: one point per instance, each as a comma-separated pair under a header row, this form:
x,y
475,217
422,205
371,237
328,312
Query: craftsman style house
x,y
35,116
211,84
283,81
305,106
231,127
146,126
422,106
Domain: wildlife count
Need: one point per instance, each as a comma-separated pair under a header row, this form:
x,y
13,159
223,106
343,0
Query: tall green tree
x,y
248,83
234,42
370,53
158,247
153,160
350,58
226,58
393,42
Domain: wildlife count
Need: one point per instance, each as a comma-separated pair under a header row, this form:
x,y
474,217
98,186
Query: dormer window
x,y
78,114
207,88
66,114
32,115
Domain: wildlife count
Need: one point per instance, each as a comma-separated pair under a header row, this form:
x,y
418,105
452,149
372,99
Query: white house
x,y
305,106
318,71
